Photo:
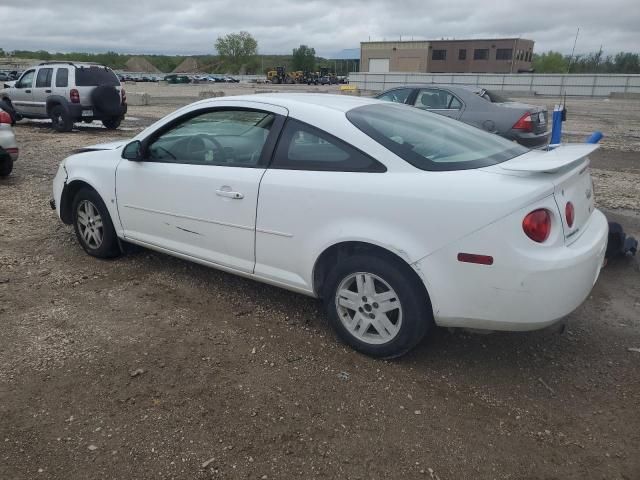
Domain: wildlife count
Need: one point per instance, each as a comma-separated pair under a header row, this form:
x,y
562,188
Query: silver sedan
x,y
524,123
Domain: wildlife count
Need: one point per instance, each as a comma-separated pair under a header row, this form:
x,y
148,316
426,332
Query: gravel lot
x,y
152,367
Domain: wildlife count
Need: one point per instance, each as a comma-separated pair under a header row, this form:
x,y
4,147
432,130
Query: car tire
x,y
6,166
93,226
61,121
377,305
111,123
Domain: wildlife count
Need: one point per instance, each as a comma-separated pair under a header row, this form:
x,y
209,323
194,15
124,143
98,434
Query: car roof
x,y
463,88
295,101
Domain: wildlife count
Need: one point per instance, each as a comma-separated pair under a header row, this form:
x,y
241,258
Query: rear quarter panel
x,y
412,214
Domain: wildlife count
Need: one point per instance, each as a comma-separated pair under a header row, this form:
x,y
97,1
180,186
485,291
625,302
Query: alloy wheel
x,y
369,308
90,224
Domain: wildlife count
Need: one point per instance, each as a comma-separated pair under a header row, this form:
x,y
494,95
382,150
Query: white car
x,y
8,145
400,219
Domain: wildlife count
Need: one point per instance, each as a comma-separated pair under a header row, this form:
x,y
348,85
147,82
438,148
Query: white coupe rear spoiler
x,y
550,161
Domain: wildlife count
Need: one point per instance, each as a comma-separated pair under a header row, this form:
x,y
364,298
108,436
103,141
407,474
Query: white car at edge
x,y
398,218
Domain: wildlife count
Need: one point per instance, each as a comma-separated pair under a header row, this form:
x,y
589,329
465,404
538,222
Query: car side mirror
x,y
133,151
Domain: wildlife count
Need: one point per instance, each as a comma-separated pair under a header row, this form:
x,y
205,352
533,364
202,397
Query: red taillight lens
x,y
123,94
525,123
569,214
74,96
537,225
5,118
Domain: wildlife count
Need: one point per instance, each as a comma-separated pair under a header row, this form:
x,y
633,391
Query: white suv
x,y
66,93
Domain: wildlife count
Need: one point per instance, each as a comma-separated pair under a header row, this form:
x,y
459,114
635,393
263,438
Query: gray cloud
x,y
172,27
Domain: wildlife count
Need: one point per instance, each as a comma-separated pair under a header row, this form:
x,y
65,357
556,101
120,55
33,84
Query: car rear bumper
x,y
524,289
532,140
80,112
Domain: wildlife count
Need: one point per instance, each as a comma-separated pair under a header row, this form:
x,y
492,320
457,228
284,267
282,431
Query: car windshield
x,y
430,141
95,76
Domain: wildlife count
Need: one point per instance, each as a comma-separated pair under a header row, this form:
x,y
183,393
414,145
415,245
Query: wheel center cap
x,y
367,307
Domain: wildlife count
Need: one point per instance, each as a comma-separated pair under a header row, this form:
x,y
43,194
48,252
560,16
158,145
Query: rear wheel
x,y
111,123
61,121
377,306
93,226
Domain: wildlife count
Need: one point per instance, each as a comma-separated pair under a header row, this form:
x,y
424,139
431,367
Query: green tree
x,y
237,50
626,62
304,58
550,62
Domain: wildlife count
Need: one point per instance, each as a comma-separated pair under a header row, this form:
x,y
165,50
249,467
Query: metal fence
x,y
534,84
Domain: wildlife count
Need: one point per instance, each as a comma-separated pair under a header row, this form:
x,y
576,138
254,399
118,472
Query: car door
x,y
41,91
439,101
196,190
61,82
313,177
22,93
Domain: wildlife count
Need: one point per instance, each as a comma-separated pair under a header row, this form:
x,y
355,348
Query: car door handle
x,y
47,91
27,91
230,194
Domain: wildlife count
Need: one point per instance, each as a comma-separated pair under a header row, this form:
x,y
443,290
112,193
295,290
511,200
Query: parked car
x,y
229,79
398,218
8,144
526,124
5,77
173,78
66,93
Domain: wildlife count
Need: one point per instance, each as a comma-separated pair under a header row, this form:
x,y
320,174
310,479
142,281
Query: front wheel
x,y
377,305
93,226
111,123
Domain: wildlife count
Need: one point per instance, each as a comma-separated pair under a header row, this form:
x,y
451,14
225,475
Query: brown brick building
x,y
499,55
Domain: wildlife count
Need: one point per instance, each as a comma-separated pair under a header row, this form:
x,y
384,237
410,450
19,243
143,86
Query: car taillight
x,y
5,118
525,123
569,214
123,95
537,225
74,96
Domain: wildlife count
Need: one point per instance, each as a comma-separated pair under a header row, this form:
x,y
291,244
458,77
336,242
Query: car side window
x,y
26,81
436,99
230,137
398,95
62,77
303,147
43,79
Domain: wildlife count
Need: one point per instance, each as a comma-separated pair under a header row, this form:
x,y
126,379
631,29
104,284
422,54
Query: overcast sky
x,y
191,27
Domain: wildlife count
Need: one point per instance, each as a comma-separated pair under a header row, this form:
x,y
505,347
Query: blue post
x,y
556,126
595,137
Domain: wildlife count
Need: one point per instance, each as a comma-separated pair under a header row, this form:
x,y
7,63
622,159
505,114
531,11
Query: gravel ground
x,y
152,367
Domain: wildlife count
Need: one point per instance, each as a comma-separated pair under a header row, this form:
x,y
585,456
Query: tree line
x,y
594,62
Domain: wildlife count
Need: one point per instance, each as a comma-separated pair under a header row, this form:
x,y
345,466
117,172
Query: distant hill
x,y
140,64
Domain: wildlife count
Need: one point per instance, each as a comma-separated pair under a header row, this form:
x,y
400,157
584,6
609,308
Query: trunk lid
x,y
567,168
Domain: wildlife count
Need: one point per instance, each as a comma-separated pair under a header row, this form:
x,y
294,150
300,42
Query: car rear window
x,y
429,141
491,96
95,76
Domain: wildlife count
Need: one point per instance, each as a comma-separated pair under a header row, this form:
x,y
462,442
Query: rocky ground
x,y
152,367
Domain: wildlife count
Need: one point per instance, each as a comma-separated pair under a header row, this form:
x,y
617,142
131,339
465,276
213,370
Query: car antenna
x,y
560,110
